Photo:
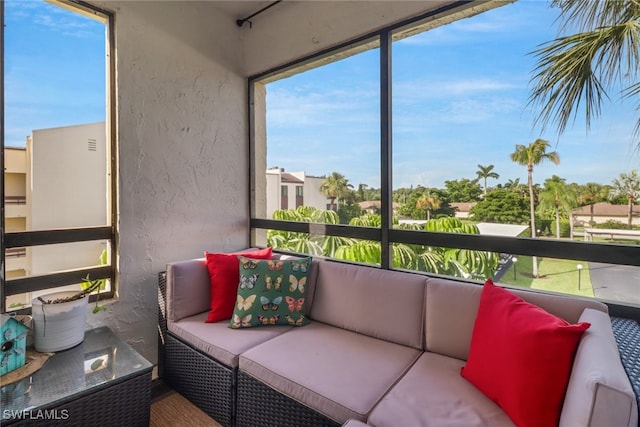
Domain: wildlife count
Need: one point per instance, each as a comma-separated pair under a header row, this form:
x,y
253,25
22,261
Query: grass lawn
x,y
556,275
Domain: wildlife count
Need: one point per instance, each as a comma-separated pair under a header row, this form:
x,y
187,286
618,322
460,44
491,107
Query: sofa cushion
x,y
339,373
271,292
187,289
224,277
452,306
379,303
521,357
220,342
433,393
599,392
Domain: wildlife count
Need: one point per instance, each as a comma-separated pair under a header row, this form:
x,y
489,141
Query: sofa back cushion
x,y
187,289
451,309
374,302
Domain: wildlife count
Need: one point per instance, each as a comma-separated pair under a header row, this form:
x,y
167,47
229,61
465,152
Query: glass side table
x,y
100,382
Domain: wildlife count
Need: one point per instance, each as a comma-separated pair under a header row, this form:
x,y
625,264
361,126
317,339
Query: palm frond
x,y
633,92
564,79
572,71
587,15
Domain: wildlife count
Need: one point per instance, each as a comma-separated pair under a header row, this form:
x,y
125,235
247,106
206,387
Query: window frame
x,y
22,239
387,235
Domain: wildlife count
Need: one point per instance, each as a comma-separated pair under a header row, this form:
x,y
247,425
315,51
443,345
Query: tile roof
x,y
287,177
463,206
605,209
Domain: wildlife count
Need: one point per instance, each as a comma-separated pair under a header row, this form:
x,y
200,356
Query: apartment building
x,y
51,183
16,208
288,190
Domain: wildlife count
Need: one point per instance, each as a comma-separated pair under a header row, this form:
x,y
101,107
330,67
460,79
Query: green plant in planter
x,y
87,286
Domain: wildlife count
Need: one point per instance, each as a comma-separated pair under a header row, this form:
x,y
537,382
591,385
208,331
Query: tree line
x,y
511,202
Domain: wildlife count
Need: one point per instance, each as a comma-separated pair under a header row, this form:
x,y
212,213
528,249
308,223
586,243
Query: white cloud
x,y
292,108
51,17
439,88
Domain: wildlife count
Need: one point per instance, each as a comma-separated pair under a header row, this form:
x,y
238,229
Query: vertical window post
x,y
385,149
2,258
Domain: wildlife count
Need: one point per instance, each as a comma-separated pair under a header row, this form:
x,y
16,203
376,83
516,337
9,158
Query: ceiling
x,y
241,9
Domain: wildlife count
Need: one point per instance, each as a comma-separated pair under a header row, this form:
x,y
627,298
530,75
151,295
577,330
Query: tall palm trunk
x,y
532,208
630,212
557,222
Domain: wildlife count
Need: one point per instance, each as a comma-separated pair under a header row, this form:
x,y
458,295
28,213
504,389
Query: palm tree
x,y
485,172
361,192
591,193
335,186
573,70
628,185
559,197
428,202
512,184
530,155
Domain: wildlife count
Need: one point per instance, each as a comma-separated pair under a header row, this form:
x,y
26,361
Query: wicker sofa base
x,y
260,405
627,334
207,383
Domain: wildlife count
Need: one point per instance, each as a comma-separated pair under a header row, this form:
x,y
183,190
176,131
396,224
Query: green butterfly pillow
x,y
271,292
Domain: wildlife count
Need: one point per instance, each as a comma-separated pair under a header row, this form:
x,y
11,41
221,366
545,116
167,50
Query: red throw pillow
x,y
224,275
521,357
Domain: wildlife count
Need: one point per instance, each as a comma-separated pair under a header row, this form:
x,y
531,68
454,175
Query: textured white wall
x,y
183,150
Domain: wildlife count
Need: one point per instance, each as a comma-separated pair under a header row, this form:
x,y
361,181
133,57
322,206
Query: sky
x,y
54,69
460,97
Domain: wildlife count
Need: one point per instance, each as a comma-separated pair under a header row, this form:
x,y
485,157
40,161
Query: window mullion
x,y
2,223
385,149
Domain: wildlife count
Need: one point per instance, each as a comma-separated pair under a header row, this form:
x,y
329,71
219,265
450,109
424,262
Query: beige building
x,y
603,212
373,206
288,190
462,208
51,184
16,208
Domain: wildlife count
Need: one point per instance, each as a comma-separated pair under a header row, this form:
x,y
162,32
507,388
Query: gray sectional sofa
x,y
384,348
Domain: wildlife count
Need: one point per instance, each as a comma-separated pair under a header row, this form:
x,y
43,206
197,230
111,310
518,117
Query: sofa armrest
x,y
599,392
187,289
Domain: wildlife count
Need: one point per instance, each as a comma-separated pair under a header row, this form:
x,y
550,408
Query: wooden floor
x,y
169,408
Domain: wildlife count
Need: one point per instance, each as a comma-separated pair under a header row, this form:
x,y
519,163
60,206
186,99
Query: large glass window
x,y
477,190
58,147
322,140
466,160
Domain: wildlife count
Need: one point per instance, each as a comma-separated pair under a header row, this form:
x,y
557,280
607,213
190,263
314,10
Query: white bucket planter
x,y
58,326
